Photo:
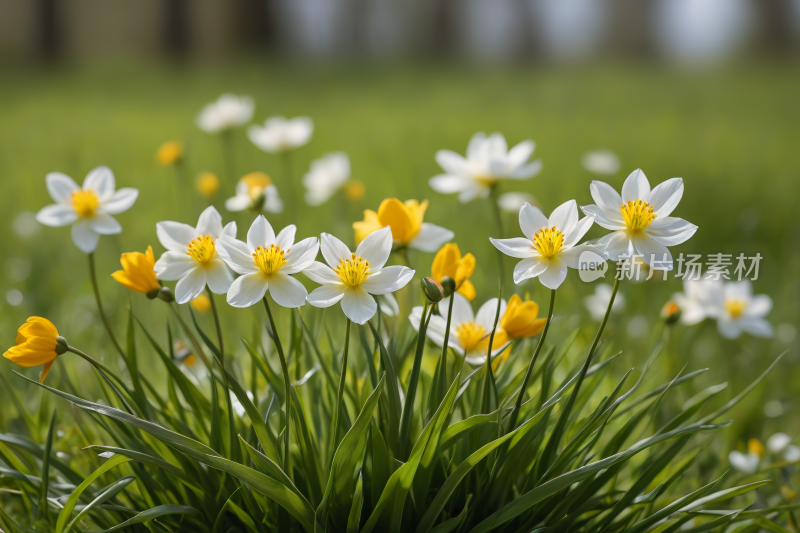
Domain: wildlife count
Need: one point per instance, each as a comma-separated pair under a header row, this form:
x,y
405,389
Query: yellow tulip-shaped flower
x,y
169,153
450,262
202,303
36,344
520,319
406,222
138,272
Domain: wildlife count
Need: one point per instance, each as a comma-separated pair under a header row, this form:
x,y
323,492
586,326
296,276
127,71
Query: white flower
x,y
791,454
487,162
266,262
746,464
597,303
389,305
88,208
229,111
356,276
469,332
326,176
778,442
640,219
737,310
548,247
601,162
512,201
280,134
192,257
255,191
698,300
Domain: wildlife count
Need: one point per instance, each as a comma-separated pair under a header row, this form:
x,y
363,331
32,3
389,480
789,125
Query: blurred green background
x,y
730,133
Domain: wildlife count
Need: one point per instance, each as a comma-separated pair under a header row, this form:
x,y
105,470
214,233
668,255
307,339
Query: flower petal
x,y
56,215
387,280
759,306
608,200
236,254
333,249
462,310
564,217
285,239
327,295
272,200
301,255
666,196
555,274
101,181
375,248
287,291
191,285
601,219
518,247
218,276
529,268
671,231
237,203
757,327
453,163
520,153
528,171
654,253
104,224
636,187
60,187
175,236
121,201
358,305
173,265
210,222
486,313
531,220
728,328
260,233
449,183
247,290
578,231
229,229
616,245
322,273
430,237
83,236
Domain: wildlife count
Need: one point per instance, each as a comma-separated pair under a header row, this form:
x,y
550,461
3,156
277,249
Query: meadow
x,y
730,134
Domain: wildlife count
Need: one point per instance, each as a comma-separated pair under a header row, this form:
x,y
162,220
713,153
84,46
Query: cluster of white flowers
x,y
779,445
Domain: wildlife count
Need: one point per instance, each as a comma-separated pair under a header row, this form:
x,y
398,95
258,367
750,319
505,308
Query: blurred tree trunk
x,y
176,34
630,32
775,34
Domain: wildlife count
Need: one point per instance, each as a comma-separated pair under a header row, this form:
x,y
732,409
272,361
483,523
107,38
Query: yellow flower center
x,y
637,215
85,203
353,271
269,260
470,335
202,249
256,183
735,307
548,241
486,181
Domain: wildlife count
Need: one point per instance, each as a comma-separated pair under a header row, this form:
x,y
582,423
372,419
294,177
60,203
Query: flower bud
x,y
164,293
670,313
448,286
62,346
433,291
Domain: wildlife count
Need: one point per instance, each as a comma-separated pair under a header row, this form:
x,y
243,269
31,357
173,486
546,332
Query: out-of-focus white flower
x,y
279,134
255,191
267,262
746,464
639,219
511,202
778,442
786,333
25,225
597,303
698,300
549,245
469,332
601,162
326,176
14,297
229,111
487,162
773,409
192,257
389,305
791,454
88,208
638,326
737,310
355,277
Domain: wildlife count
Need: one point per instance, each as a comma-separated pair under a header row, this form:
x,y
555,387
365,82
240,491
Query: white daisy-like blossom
x,y
639,219
778,442
488,161
192,257
698,300
549,245
279,134
326,176
510,202
353,278
469,332
266,262
601,162
229,111
597,303
737,310
744,463
255,191
88,207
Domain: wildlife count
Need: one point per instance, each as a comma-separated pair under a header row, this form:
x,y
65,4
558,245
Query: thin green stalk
x,y
93,277
340,393
489,380
411,392
234,441
219,329
192,338
441,386
286,385
512,424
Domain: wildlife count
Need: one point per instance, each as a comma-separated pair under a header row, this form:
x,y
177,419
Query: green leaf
x,y
391,399
151,514
452,524
723,495
107,493
263,433
354,518
151,460
48,447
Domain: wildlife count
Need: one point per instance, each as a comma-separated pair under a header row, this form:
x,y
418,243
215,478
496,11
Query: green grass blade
x,y
107,493
151,514
48,448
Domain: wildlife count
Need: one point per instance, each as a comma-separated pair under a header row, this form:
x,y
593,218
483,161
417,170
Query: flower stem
x,y
490,392
286,385
596,338
512,424
441,385
411,392
93,277
340,394
219,330
192,338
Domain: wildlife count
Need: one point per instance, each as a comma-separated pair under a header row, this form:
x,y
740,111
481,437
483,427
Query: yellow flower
x,y
406,221
755,446
519,320
169,153
201,303
207,184
36,345
137,272
354,190
256,183
450,262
